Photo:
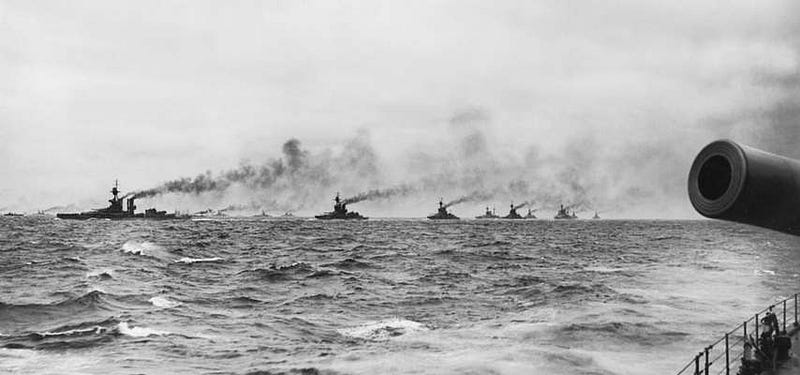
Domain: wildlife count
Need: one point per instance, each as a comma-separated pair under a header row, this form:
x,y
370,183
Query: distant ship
x,y
12,214
339,212
115,211
262,214
596,216
564,214
442,214
512,213
530,214
488,215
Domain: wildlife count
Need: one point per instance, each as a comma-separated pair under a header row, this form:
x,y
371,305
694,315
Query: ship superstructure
x,y
565,214
442,213
339,212
512,212
488,215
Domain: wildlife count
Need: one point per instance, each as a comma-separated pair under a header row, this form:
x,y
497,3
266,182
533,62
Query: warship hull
x,y
564,217
447,216
105,216
338,216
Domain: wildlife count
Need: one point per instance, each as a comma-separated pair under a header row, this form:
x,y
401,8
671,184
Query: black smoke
x,y
472,197
380,194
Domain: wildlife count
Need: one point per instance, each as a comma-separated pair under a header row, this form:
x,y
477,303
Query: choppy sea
x,y
267,296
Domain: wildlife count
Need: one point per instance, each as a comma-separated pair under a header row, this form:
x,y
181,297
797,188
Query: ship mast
x,y
115,190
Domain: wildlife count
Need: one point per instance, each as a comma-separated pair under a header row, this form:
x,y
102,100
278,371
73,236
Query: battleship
x,y
115,211
442,213
512,213
565,214
488,215
339,212
530,214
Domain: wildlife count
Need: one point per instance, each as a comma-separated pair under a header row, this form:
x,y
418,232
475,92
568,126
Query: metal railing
x,y
723,356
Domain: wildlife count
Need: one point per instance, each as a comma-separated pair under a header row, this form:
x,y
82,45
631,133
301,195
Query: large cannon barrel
x,y
738,183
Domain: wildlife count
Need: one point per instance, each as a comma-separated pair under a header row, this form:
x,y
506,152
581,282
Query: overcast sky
x,y
148,91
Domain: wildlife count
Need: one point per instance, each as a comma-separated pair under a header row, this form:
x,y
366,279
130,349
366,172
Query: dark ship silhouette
x,y
596,216
530,214
442,214
565,214
488,215
512,213
339,212
115,211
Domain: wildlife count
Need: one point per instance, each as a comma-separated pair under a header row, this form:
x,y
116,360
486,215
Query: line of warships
x,y
564,213
115,211
340,212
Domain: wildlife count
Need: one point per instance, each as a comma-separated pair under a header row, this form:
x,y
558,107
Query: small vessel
x,y
12,214
530,214
596,216
512,213
263,214
442,214
339,212
115,211
488,215
565,214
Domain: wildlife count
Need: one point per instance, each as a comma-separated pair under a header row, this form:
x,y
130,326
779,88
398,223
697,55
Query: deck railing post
x,y
756,324
707,347
727,357
784,315
697,364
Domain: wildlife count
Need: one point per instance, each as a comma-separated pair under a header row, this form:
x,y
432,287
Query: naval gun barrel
x,y
734,182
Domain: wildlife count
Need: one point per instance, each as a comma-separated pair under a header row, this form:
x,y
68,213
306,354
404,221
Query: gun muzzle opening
x,y
717,177
714,178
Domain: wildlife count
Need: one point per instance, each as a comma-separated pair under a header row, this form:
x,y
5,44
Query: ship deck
x,y
792,366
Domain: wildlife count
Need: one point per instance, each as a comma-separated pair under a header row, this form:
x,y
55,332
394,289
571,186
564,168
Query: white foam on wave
x,y
383,329
98,273
763,272
140,248
159,301
96,330
127,330
198,260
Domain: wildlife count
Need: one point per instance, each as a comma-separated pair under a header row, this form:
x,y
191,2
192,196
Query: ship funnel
x,y
131,206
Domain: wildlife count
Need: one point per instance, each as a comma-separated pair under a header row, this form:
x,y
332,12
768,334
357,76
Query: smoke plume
x,y
474,196
379,194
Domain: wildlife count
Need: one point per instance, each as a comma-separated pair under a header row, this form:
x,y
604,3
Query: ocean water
x,y
266,296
